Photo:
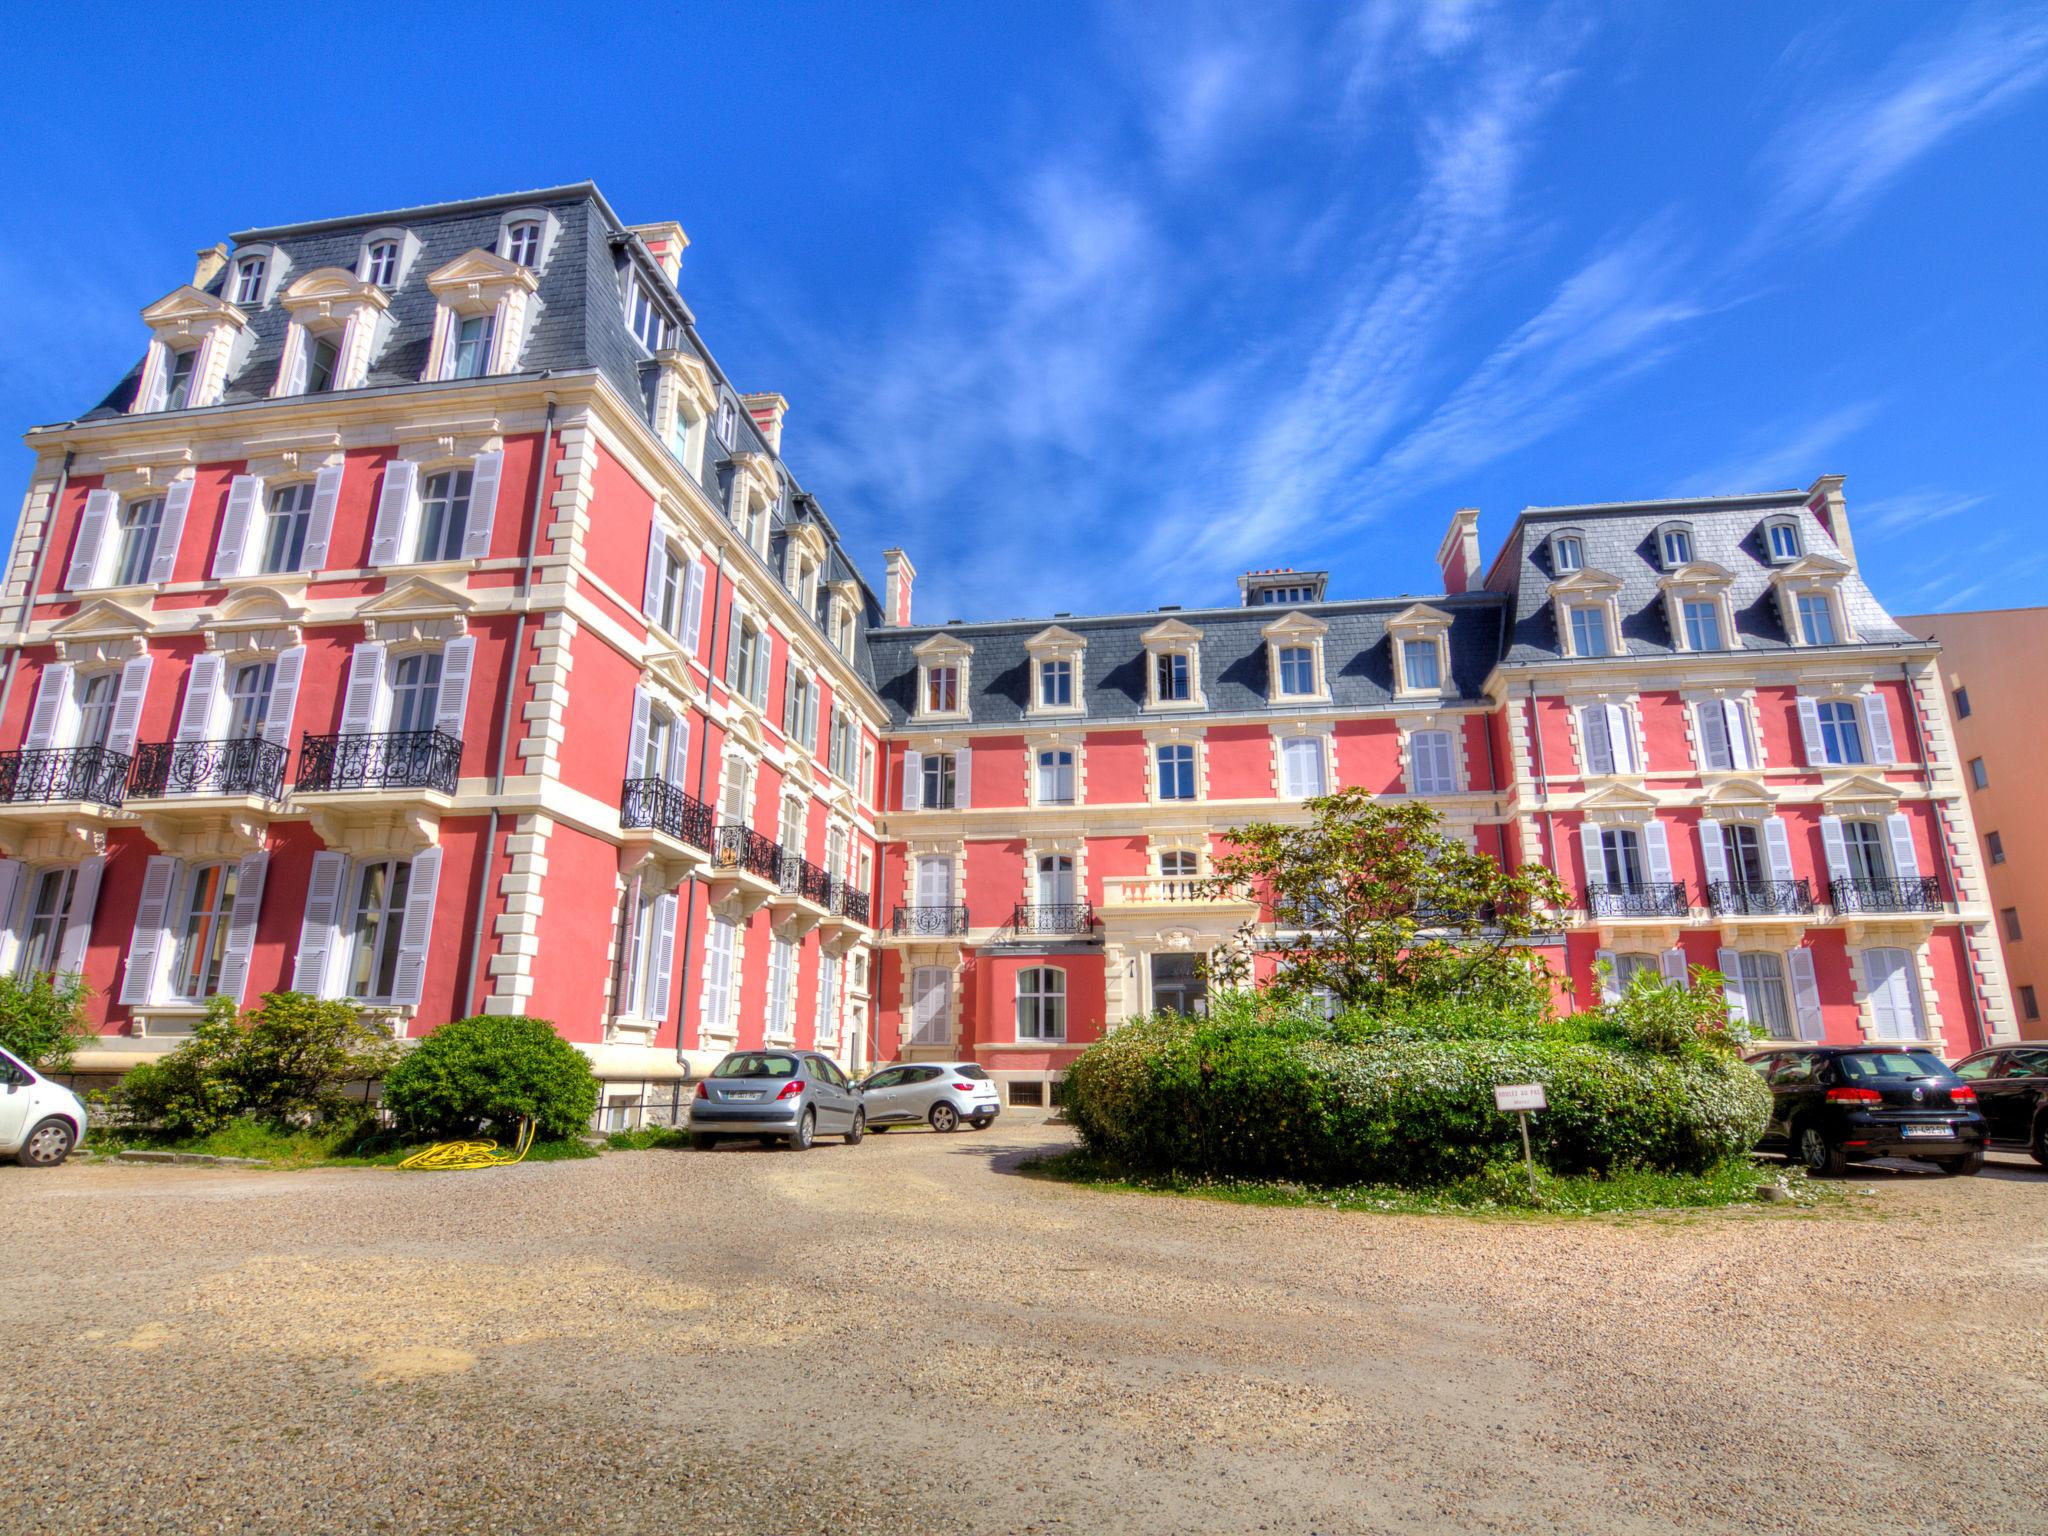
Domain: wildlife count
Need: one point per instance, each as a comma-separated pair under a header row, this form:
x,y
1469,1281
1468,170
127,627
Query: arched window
x,y
1042,1004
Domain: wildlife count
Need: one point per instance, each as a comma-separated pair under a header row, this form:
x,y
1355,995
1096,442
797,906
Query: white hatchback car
x,y
940,1094
40,1121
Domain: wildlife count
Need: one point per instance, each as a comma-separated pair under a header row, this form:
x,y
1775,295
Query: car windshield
x,y
756,1064
1861,1066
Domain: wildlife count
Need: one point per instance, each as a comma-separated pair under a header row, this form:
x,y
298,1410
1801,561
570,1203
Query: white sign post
x,y
1520,1099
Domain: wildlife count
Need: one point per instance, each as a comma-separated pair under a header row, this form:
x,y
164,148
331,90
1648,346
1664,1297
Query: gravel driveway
x,y
907,1335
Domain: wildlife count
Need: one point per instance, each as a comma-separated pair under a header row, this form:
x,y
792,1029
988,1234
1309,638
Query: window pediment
x,y
1055,641
1295,626
187,314
1697,575
478,277
1619,800
418,597
1810,570
1169,633
256,608
692,379
1418,619
666,669
1587,584
1859,789
332,293
101,619
942,647
1734,796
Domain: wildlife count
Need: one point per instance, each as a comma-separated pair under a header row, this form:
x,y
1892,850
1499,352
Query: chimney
x,y
666,243
767,411
206,266
1458,555
897,575
1824,501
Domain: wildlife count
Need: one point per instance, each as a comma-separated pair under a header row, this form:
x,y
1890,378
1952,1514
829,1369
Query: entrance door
x,y
1177,985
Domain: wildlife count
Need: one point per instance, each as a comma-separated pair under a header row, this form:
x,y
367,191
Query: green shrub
x,y
287,1063
1265,1091
495,1071
42,1019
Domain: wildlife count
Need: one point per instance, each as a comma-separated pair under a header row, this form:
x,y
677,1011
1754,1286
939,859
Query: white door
x,y
934,883
1055,880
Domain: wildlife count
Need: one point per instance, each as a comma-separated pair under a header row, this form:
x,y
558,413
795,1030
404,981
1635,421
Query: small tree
x,y
492,1070
42,1018
1372,902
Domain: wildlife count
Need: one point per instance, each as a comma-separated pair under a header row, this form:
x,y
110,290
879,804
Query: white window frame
x,y
1415,754
1046,1003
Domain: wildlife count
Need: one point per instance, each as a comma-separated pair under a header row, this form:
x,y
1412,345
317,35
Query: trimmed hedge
x,y
492,1070
1263,1090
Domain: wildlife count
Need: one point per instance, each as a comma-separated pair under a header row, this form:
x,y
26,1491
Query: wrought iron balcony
x,y
1649,898
38,775
246,766
929,922
379,760
850,901
1922,893
801,878
734,847
662,807
1053,917
1760,898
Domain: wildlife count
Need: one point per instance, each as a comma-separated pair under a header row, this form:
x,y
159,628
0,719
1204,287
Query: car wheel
x,y
1821,1158
860,1128
1954,1166
944,1117
805,1133
47,1145
703,1141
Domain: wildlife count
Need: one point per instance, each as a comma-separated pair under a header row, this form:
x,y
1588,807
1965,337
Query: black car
x,y
1833,1105
2012,1092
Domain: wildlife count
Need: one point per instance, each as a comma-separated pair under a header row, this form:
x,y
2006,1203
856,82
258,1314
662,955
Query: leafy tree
x,y
492,1070
1376,903
42,1019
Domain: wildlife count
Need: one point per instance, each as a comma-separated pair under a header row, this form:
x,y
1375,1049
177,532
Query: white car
x,y
40,1121
940,1094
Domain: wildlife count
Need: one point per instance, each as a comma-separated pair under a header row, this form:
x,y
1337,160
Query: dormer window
x,y
1297,670
1809,592
1589,630
323,360
1170,678
1781,540
1816,619
1702,623
1420,667
1674,546
380,264
1056,684
1696,606
337,322
942,665
195,342
643,317
941,690
1056,655
179,385
522,242
249,274
472,354
1422,657
728,422
483,303
1567,553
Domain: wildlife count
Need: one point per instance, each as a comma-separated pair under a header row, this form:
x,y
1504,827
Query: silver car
x,y
937,1093
793,1097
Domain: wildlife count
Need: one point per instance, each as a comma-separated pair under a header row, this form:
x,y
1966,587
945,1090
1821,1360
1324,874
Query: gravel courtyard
x,y
906,1335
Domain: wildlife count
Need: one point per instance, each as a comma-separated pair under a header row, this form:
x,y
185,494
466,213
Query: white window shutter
x,y
451,706
284,695
636,739
678,750
650,589
85,896
1671,965
53,696
127,719
1603,972
13,883
789,699
733,618
1595,739
153,390
202,697
1883,753
1713,852
1905,860
1805,993
234,964
1657,853
484,479
693,608
1730,965
297,367
146,946
655,1004
170,532
764,656
365,683
1777,848
963,783
395,509
1715,748
1594,853
1741,748
320,929
237,525
1621,739
1878,974
1809,731
913,780
320,520
94,524
410,977
1835,847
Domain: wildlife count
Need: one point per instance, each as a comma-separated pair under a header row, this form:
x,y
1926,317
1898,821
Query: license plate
x,y
745,1093
1931,1132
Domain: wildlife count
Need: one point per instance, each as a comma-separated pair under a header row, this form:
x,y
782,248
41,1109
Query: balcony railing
x,y
1053,917
42,774
1760,898
1154,890
246,766
929,922
742,848
1650,898
801,878
850,901
380,760
1922,893
662,807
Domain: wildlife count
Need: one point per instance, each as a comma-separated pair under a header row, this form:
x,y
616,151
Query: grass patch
x,y
649,1138
1500,1190
341,1147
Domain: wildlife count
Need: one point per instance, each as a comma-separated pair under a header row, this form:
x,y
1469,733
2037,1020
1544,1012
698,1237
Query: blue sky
x,y
1096,306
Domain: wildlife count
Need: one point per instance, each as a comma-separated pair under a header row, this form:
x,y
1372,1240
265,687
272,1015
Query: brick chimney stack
x,y
767,410
897,575
1458,555
207,264
665,242
1825,501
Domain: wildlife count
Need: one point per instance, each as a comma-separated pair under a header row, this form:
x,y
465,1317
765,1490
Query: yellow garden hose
x,y
460,1156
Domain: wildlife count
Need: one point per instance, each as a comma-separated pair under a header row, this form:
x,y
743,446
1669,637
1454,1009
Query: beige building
x,y
1992,663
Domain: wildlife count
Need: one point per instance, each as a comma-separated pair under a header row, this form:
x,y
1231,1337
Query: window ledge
x,y
1022,1045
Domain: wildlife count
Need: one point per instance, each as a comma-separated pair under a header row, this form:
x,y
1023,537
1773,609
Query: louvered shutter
x,y
94,524
320,520
1809,731
764,655
693,609
1603,972
1715,751
1879,977
1594,853
153,390
146,945
319,930
656,1005
1777,848
1713,852
203,698
733,619
395,508
365,683
237,525
234,964
451,705
717,1003
1657,853
484,479
650,590
1835,846
127,719
1730,965
1594,738
297,367
1805,993
636,738
170,532
53,701
409,979
1905,859
678,750
85,896
913,781
1671,965
284,695
1741,747
1621,739
13,883
963,783
789,698
1883,753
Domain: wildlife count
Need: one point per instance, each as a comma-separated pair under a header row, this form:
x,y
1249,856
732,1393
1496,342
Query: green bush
x,y
1265,1090
495,1071
287,1063
42,1019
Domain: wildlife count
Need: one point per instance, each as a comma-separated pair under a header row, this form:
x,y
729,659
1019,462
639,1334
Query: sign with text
x,y
1513,1096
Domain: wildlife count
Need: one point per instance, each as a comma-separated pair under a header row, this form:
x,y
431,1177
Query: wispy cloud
x,y
1915,509
1781,455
